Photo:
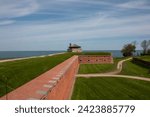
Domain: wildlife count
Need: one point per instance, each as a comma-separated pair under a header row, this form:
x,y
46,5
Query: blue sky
x,y
53,24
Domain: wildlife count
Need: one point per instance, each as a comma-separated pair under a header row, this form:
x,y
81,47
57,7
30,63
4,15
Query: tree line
x,y
130,49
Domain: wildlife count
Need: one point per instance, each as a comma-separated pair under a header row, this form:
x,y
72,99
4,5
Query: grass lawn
x,y
130,68
22,71
98,68
110,89
145,58
94,53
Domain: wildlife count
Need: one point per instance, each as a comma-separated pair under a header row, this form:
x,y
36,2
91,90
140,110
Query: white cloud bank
x,y
6,22
101,24
135,4
17,8
96,27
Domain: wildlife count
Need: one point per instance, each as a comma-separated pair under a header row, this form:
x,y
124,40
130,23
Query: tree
x,y
145,45
128,50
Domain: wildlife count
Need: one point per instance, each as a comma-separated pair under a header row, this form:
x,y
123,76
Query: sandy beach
x,y
8,60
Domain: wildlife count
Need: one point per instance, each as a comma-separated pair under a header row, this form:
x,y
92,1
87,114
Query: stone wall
x,y
95,59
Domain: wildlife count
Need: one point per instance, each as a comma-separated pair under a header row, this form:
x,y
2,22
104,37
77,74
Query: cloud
x,y
17,8
58,21
135,4
6,22
95,27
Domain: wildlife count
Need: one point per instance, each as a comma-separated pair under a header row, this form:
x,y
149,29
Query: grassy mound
x,y
22,71
145,58
130,68
111,89
93,53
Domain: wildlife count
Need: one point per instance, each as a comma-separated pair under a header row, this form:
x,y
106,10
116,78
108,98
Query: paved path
x,y
120,76
114,73
119,67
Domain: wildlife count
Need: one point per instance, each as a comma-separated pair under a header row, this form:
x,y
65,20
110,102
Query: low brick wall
x,y
95,59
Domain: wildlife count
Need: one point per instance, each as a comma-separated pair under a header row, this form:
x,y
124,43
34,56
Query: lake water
x,y
21,54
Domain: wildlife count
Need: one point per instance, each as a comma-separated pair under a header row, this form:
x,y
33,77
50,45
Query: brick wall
x,y
57,83
62,90
95,59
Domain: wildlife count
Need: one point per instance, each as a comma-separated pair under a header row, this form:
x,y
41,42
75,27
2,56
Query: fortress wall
x,y
55,84
63,89
95,59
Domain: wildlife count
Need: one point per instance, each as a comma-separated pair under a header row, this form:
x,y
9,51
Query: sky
x,y
92,24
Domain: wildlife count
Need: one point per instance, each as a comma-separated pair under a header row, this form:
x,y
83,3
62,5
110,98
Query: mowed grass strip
x,y
22,71
110,89
95,68
98,68
130,68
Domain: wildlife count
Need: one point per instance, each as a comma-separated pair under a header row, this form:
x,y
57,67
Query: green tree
x,y
128,50
145,45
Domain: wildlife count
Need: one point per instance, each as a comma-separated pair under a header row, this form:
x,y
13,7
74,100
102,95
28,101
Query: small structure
x,y
74,48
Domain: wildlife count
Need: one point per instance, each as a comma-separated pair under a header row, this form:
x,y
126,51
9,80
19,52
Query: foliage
x,y
128,50
145,45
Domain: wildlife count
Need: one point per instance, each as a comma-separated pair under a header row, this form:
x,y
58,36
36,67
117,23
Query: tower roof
x,y
74,46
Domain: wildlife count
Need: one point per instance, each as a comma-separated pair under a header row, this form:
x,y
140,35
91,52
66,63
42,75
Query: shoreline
x,y
24,58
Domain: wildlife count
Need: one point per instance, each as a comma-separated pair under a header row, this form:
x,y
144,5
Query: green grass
x,y
145,58
95,68
130,68
98,68
93,53
110,89
22,71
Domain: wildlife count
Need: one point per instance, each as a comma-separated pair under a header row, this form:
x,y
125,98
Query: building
x,y
74,48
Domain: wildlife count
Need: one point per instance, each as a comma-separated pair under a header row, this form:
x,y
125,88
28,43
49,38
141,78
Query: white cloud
x,y
135,4
96,27
6,22
17,8
99,23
